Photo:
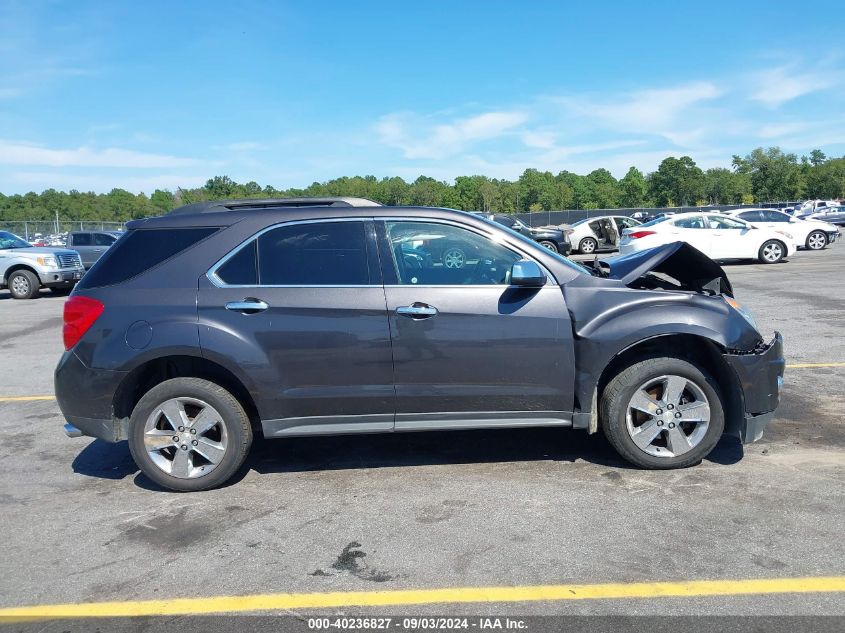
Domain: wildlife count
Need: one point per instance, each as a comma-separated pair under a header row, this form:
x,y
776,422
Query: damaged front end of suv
x,y
684,307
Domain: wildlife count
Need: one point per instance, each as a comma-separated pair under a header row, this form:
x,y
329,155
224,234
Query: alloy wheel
x,y
20,285
816,241
588,246
668,416
772,252
185,437
454,258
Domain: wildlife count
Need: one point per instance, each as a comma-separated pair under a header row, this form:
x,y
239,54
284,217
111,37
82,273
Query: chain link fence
x,y
31,229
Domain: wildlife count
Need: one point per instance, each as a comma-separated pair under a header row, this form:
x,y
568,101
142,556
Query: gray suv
x,y
223,321
91,244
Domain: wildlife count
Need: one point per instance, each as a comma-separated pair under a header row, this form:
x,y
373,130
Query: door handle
x,y
247,306
417,311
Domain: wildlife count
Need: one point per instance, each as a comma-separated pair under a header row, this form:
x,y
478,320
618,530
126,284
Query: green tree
x,y
677,182
774,175
633,189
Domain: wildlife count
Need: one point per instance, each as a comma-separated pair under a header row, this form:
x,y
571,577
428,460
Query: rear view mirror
x,y
527,274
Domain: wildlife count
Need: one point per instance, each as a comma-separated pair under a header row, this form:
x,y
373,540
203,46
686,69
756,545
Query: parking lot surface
x,y
440,510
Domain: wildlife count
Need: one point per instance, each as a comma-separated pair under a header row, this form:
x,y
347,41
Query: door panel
x,y
321,353
468,349
487,350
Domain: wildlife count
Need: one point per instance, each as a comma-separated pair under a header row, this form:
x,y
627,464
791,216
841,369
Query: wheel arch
x,y
16,267
697,349
154,371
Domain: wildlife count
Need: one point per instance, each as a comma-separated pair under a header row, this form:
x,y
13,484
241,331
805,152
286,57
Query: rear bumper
x,y
85,396
760,375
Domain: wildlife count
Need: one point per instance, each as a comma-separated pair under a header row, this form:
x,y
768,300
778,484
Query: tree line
x,y
760,176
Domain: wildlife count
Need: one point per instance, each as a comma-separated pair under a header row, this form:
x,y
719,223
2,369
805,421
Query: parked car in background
x,y
832,215
91,244
717,235
808,233
24,268
600,233
552,238
225,319
812,206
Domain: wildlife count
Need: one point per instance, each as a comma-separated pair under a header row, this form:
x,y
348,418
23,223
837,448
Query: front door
x,y
300,309
469,350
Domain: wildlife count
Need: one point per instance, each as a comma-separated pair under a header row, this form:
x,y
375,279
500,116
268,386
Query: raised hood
x,y
678,260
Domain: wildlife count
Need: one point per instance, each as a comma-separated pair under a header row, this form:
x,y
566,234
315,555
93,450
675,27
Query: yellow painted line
x,y
808,365
404,597
25,398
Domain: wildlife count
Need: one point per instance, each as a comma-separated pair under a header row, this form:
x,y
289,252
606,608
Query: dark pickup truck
x,y
91,244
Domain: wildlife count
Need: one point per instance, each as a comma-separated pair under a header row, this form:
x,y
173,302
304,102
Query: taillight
x,y
80,314
638,234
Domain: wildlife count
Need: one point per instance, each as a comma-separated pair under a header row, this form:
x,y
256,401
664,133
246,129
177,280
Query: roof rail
x,y
270,203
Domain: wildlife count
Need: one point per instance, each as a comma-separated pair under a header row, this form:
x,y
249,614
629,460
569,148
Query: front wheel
x,y
189,434
23,284
662,413
771,252
549,245
816,240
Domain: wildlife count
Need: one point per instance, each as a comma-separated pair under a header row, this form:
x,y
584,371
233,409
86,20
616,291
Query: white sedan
x,y
809,233
715,234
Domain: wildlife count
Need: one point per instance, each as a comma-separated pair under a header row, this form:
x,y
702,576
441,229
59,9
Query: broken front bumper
x,y
760,375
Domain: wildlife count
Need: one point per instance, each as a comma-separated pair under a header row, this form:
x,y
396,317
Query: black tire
x,y
816,241
617,395
549,245
763,255
588,246
235,419
23,284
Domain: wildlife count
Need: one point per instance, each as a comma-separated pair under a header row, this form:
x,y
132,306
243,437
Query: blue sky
x,y
145,95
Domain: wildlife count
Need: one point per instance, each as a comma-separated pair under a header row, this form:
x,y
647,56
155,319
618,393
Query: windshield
x,y
10,240
528,240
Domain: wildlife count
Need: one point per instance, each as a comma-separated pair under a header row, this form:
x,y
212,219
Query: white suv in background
x,y
811,234
717,235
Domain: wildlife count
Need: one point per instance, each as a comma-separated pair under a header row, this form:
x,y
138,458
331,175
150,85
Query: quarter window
x,y
427,253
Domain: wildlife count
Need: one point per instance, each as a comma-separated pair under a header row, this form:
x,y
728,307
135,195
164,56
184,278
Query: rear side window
x,y
81,239
138,251
103,239
241,269
316,254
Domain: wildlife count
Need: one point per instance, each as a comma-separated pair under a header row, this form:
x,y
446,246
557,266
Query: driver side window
x,y
428,253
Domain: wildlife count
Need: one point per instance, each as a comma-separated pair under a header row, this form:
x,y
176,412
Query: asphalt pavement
x,y
441,510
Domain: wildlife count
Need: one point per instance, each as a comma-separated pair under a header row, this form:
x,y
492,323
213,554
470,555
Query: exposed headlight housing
x,y
746,314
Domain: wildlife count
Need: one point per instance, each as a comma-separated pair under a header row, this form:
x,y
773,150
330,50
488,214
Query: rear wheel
x,y
189,434
772,252
548,244
23,284
588,245
662,413
816,240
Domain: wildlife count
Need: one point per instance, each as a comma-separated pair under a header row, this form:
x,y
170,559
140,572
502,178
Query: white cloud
x,y
22,153
418,138
776,86
660,111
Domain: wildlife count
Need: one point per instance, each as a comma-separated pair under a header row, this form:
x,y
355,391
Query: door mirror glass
x,y
527,274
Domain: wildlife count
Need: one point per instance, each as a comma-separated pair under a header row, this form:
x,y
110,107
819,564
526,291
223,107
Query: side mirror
x,y
527,274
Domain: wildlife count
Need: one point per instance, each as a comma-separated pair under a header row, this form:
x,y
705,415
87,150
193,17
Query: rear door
x,y
300,309
694,231
83,243
469,350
